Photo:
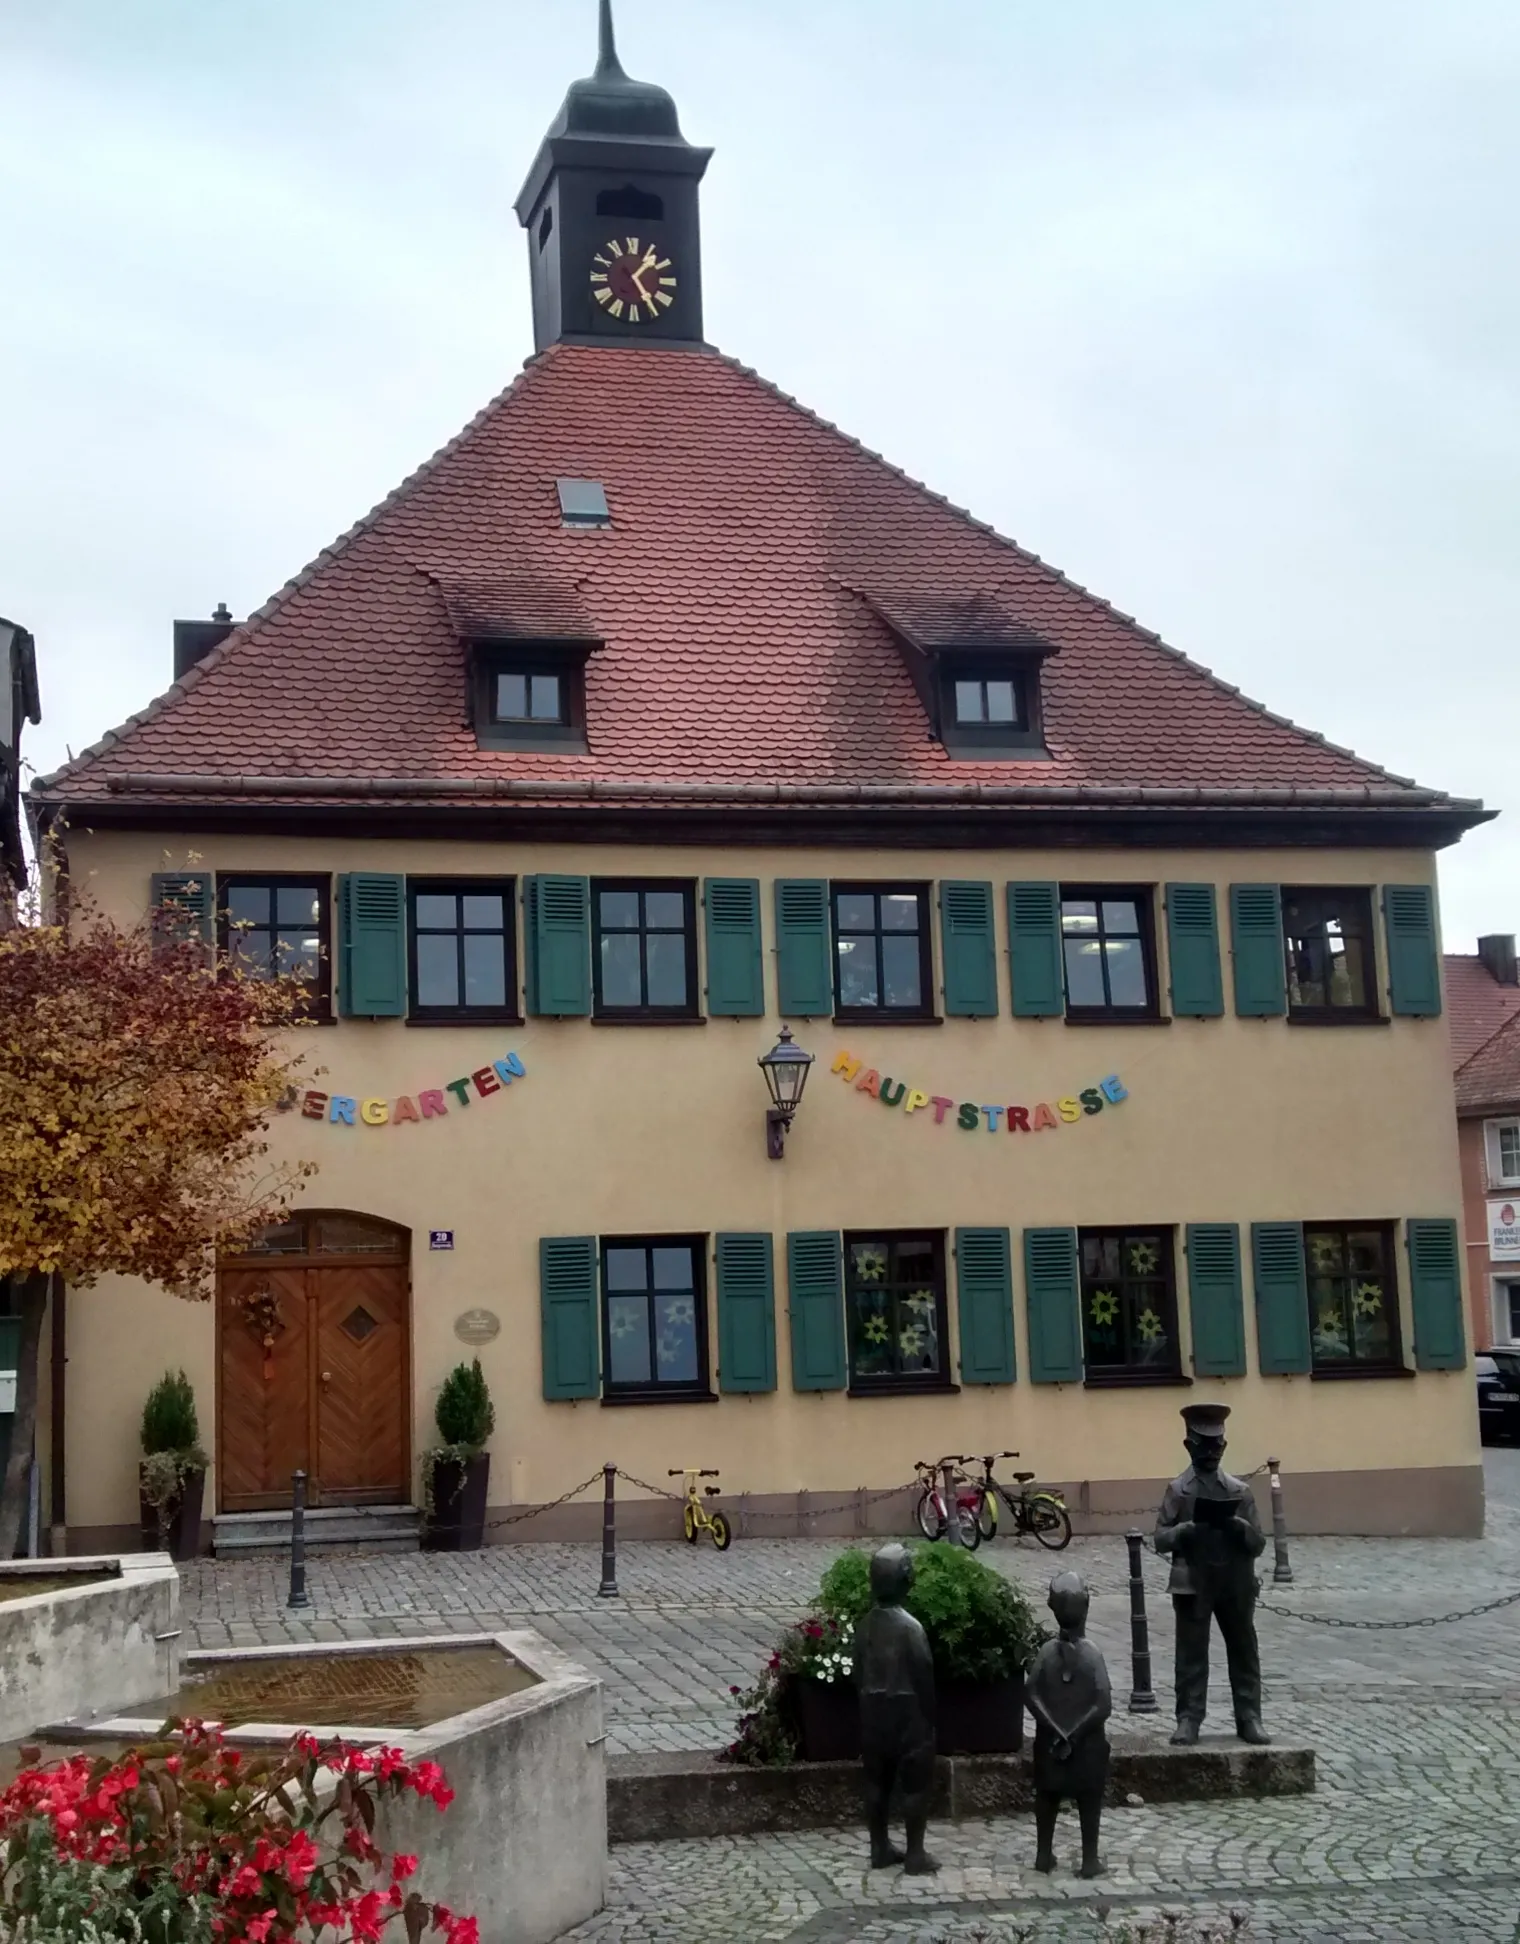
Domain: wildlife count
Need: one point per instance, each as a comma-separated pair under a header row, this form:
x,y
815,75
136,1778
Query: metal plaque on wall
x,y
477,1326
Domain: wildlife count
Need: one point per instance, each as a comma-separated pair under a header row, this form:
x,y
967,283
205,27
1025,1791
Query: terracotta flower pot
x,y
181,1519
458,1519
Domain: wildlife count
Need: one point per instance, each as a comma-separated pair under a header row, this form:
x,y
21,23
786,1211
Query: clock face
x,y
632,281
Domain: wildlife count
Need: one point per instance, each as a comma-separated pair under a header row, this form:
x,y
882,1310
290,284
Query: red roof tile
x,y
1489,1081
1476,1004
724,592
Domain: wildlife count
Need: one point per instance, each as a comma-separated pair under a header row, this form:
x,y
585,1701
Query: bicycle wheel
x,y
986,1514
722,1531
926,1512
1049,1521
689,1524
967,1528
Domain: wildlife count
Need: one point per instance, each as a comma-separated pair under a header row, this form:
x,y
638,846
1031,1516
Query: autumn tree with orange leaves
x,y
135,1090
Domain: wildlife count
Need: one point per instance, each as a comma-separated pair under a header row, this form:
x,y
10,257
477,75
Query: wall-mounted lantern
x,y
786,1068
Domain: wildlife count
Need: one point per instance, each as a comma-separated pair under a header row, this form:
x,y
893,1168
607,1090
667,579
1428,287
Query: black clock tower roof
x,y
609,103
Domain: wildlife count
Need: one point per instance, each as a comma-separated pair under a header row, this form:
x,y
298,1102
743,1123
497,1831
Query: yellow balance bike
x,y
695,1516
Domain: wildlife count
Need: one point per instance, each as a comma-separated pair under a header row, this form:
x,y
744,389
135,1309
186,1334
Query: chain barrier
x,y
656,1491
1391,1626
537,1511
856,1501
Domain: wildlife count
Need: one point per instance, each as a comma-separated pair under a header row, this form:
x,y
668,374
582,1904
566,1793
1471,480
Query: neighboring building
x,y
1485,1033
19,704
653,711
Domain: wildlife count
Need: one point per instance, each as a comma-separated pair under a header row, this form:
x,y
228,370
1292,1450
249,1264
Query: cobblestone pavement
x,y
1414,1833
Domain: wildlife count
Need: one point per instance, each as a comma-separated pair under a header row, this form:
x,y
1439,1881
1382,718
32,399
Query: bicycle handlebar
x,y
707,1474
679,1472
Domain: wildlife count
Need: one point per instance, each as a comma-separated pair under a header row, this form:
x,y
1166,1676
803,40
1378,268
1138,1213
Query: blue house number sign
x,y
441,1239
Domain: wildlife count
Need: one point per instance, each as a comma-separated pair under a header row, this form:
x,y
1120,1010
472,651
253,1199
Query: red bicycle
x,y
930,1511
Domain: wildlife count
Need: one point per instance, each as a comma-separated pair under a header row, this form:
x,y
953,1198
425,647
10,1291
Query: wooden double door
x,y
315,1376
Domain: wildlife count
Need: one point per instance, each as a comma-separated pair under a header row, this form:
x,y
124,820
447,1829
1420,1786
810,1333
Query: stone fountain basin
x,y
84,1634
523,1846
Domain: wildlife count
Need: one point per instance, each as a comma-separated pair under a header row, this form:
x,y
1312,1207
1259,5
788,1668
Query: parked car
x,y
1499,1396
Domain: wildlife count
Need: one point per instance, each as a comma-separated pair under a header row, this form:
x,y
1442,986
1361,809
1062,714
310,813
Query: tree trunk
x,y
34,1295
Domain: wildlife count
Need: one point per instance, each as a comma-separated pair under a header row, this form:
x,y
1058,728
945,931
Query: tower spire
x,y
607,63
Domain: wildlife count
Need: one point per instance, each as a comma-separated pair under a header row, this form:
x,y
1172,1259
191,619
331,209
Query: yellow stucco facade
x,y
650,1131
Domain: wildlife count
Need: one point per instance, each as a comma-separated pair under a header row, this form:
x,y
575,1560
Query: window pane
x,y
299,953
666,959
1084,972
672,1268
1126,972
1079,916
250,953
437,969
628,1338
1325,1250
485,969
899,911
873,1353
918,1332
1100,1255
1122,916
968,702
901,971
1327,1319
512,698
248,904
296,904
1000,703
1514,1311
438,910
621,985
1348,982
856,911
665,910
543,698
619,909
913,1260
857,972
627,1269
1150,1340
481,913
676,1338
1509,1151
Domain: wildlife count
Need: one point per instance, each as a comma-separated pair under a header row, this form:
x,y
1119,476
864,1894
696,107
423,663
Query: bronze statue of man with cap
x,y
1209,1525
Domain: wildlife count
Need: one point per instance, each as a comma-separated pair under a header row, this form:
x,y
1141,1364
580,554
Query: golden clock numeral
x,y
667,283
662,297
634,316
663,264
617,307
599,258
599,276
603,296
633,246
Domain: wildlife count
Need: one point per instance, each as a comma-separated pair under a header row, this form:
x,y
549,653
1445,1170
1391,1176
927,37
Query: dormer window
x,y
988,707
530,696
976,667
530,699
978,702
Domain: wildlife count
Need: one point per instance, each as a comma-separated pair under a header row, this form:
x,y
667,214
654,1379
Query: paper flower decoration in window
x,y
1325,1254
1148,1323
1330,1330
1104,1306
870,1263
1368,1298
624,1323
910,1340
1144,1258
681,1309
920,1302
671,1347
875,1329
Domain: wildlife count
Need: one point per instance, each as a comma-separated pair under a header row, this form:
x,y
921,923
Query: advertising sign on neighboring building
x,y
1504,1230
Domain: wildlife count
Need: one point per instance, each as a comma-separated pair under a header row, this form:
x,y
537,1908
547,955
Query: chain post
x,y
608,1590
299,1597
947,1486
1282,1571
1142,1696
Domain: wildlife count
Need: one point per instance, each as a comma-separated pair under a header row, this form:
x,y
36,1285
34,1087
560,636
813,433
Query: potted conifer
x,y
456,1473
172,1475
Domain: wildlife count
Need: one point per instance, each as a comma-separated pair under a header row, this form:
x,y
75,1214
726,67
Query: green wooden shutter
x,y
1192,940
746,1314
1435,1281
1414,965
969,950
558,927
1054,1306
735,968
372,945
984,1295
1261,986
804,960
815,1294
568,1307
1034,950
184,903
1215,1298
1282,1298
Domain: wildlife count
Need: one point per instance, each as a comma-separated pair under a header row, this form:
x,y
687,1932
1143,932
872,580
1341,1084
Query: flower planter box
x,y
973,1719
458,1519
182,1525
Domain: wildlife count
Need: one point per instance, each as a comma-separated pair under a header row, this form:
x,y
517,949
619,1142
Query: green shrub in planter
x,y
169,1421
171,1476
465,1414
980,1626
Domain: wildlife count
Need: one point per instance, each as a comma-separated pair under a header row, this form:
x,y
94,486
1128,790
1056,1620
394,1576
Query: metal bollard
x,y
951,1530
608,1590
1142,1696
298,1594
1282,1571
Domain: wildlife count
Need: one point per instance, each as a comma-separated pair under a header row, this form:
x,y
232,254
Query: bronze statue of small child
x,y
1069,1696
894,1676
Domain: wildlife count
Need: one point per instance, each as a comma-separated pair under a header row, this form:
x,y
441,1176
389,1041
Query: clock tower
x,y
611,210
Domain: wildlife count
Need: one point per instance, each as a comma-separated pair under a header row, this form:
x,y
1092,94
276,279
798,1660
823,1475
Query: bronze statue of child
x,y
894,1677
1069,1696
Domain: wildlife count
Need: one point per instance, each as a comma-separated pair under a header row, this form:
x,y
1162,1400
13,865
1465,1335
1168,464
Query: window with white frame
x,y
1506,1311
1503,1153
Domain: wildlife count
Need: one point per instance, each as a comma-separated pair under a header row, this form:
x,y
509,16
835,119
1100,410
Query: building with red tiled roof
x,y
653,712
1484,1011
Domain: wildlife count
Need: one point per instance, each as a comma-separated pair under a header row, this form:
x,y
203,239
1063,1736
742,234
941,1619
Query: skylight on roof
x,y
583,503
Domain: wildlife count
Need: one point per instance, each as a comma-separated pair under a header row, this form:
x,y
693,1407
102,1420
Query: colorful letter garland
x,y
969,1117
351,1110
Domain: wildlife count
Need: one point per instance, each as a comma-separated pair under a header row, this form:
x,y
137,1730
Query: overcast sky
x,y
1212,303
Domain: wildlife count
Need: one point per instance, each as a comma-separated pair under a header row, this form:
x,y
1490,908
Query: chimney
x,y
1497,952
194,640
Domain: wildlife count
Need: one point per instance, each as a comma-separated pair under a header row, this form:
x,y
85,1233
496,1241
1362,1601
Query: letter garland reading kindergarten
x,y
351,1110
972,1117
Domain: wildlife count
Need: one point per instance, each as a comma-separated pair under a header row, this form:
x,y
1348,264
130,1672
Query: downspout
x,y
58,1531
